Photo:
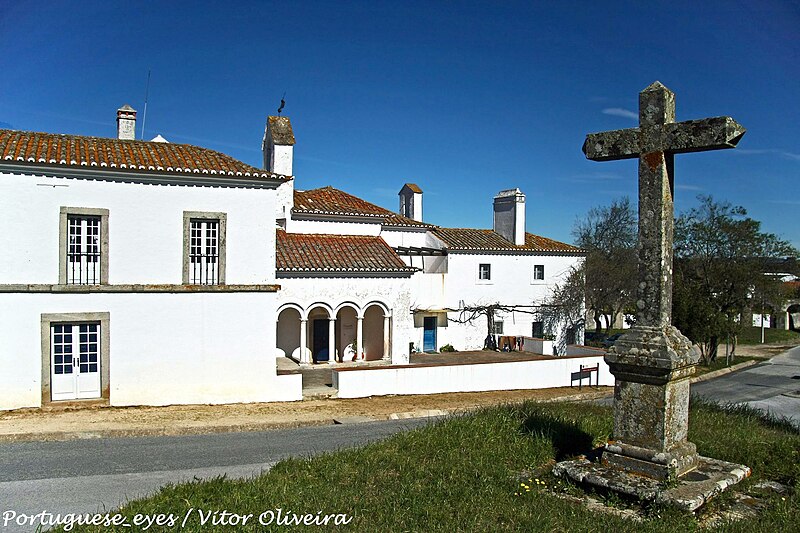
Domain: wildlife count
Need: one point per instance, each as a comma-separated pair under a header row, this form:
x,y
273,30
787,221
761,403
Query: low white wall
x,y
534,345
426,379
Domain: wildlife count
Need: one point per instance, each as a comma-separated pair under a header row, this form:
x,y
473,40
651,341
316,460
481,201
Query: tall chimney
x,y
278,145
411,201
509,216
126,123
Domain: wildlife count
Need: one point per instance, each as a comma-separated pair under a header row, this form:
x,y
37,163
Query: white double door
x,y
75,361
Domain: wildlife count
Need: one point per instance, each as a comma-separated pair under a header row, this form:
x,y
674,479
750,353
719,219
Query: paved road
x,y
98,475
772,386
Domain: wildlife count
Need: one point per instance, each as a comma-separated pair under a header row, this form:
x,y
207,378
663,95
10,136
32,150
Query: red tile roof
x,y
301,252
330,201
486,240
141,156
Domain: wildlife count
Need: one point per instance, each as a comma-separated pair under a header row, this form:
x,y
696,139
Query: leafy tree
x,y
564,308
609,236
721,256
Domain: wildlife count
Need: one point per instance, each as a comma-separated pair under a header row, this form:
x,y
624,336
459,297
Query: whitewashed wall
x,y
399,236
393,292
284,201
164,348
145,228
423,379
511,283
333,228
511,278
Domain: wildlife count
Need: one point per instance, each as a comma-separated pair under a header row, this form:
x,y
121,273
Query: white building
x,y
156,273
340,286
135,273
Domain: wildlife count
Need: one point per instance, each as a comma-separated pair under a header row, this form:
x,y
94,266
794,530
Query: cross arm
x,y
704,134
612,145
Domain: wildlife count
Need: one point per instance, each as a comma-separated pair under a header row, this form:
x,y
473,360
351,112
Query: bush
x,y
447,348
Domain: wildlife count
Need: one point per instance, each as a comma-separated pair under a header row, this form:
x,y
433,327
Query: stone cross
x,y
653,361
655,142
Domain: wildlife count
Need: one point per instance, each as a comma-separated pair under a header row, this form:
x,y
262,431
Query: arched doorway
x,y
376,330
346,332
288,334
319,333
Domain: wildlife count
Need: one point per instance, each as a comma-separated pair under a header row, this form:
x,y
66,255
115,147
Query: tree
x,y
721,257
565,307
472,313
609,236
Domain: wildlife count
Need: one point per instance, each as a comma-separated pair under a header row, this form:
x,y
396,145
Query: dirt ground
x,y
97,421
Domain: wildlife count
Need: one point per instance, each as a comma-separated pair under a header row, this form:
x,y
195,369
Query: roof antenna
x,y
283,103
146,94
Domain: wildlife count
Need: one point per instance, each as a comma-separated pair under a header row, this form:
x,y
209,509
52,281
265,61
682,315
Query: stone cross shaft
x,y
655,142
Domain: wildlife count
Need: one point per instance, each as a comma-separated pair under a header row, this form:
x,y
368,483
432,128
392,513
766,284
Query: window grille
x,y
83,250
204,252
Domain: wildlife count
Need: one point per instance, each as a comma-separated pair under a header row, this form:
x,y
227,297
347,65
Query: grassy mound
x,y
462,474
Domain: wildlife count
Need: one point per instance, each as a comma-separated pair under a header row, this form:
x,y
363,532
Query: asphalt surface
x,y
99,475
772,386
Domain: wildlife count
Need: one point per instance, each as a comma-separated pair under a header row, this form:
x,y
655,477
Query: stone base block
x,y
689,492
650,463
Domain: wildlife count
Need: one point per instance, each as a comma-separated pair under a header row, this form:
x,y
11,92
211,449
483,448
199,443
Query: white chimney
x,y
126,123
411,201
509,216
278,145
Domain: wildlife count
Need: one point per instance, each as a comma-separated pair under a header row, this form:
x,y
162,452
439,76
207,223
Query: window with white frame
x,y
538,272
484,271
498,327
83,246
204,248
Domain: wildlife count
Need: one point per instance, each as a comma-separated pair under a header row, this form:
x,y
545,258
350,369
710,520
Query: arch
x,y
317,305
374,331
384,308
319,316
346,330
354,306
287,337
294,306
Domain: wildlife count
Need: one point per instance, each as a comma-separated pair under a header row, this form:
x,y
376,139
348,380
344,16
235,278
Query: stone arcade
x,y
652,363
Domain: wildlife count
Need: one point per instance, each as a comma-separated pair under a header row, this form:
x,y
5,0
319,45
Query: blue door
x,y
429,334
320,341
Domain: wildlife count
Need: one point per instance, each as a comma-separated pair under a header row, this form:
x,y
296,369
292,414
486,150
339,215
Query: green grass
x,y
753,336
462,474
720,363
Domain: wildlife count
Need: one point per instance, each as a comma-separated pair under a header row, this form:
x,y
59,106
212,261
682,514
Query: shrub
x,y
447,348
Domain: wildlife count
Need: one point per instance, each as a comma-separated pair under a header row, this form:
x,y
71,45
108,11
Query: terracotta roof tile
x,y
302,252
330,201
142,156
466,239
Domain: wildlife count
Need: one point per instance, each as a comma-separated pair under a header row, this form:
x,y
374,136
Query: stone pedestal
x,y
652,367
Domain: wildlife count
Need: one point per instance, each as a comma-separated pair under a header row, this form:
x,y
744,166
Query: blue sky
x,y
462,98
